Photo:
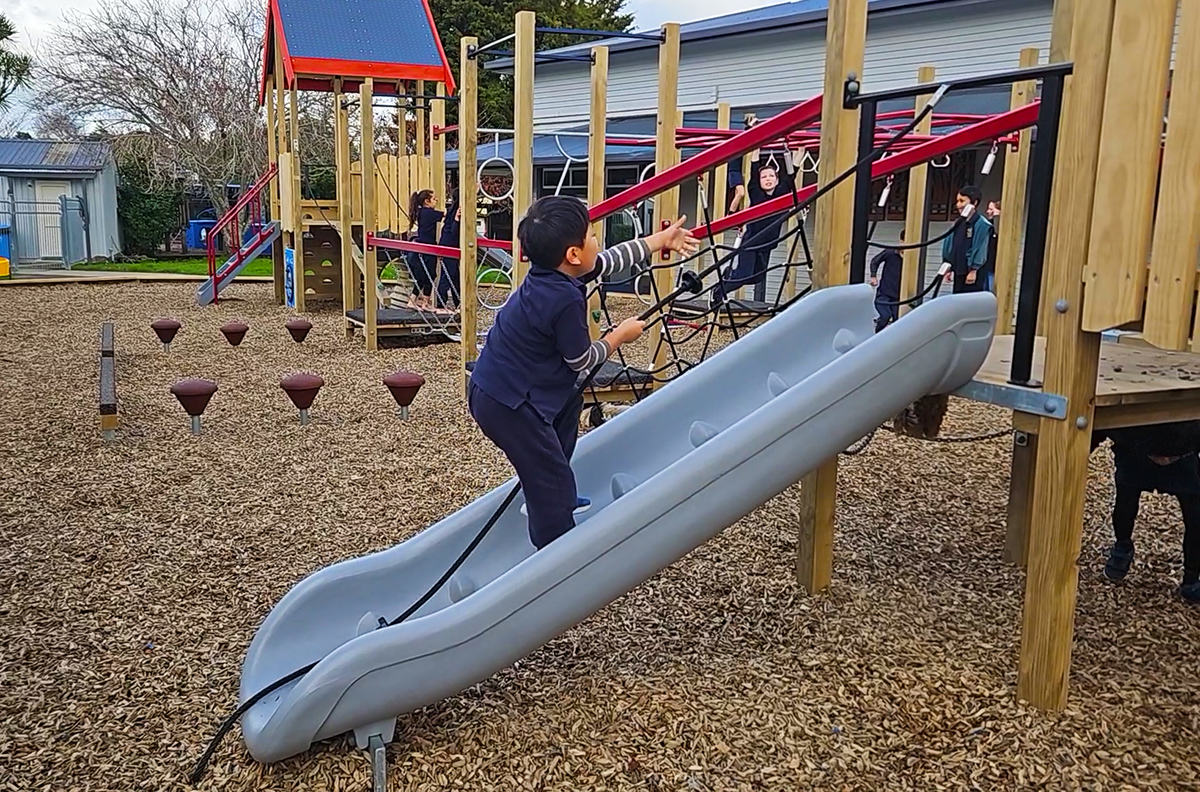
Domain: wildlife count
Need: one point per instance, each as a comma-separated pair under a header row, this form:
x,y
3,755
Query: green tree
x,y
492,20
14,67
147,212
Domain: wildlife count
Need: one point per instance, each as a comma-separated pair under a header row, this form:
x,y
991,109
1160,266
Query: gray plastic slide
x,y
664,477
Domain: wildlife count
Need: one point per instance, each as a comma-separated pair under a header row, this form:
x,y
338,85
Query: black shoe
x,y
1120,559
1191,592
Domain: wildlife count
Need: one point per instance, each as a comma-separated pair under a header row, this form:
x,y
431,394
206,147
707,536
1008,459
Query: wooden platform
x,y
611,384
1136,384
406,321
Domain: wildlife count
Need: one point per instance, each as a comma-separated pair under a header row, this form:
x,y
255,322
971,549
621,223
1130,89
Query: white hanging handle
x,y
991,159
887,190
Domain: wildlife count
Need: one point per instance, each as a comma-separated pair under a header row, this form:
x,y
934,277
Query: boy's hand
x,y
629,330
679,239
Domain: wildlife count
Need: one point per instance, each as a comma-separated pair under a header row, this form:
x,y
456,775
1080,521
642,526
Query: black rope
x,y
659,307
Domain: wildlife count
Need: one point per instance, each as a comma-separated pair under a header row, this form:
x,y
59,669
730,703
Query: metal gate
x,y
46,234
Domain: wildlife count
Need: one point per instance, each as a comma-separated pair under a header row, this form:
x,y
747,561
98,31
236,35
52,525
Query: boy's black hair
x,y
552,225
972,193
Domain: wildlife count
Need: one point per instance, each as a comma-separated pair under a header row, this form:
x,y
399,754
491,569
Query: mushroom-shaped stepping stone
x,y
404,386
299,328
302,390
235,332
193,396
165,329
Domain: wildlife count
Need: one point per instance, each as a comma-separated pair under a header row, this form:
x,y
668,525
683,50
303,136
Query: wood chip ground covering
x,y
133,576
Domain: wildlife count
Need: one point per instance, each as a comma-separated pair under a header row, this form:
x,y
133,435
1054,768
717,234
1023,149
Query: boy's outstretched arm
x,y
629,254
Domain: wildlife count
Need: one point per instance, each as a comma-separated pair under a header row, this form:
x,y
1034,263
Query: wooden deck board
x,y
1129,373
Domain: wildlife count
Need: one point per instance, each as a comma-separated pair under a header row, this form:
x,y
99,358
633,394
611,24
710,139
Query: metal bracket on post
x,y
378,763
1026,400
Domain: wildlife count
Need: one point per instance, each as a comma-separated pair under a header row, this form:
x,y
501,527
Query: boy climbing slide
x,y
522,391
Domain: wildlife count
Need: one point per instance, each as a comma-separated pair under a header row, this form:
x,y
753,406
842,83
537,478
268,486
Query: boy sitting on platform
x,y
522,390
1162,458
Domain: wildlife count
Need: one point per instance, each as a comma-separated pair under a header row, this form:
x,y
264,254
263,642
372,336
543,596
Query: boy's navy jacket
x,y
541,326
967,247
449,235
889,283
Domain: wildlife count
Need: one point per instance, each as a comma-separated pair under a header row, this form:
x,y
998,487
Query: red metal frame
x,y
991,129
433,250
252,201
793,118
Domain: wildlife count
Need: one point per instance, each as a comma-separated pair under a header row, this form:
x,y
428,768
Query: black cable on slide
x,y
689,285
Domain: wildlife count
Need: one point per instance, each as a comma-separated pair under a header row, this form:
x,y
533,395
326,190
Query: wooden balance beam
x,y
109,418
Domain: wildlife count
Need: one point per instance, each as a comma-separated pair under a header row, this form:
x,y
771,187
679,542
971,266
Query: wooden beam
x,y
437,144
1072,359
720,190
370,265
1130,141
522,133
1012,204
845,41
297,196
341,138
1020,500
1171,296
597,124
468,192
917,208
666,204
273,158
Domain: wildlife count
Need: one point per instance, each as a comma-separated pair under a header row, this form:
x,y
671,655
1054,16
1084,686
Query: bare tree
x,y
178,77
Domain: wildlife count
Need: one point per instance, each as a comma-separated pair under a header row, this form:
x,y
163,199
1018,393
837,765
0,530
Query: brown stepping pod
x,y
302,390
299,328
235,332
404,386
193,396
165,329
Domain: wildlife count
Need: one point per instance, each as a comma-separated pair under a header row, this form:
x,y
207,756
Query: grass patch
x,y
190,266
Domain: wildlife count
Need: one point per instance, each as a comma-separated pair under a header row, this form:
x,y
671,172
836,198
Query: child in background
x,y
522,390
424,219
1162,458
887,285
447,287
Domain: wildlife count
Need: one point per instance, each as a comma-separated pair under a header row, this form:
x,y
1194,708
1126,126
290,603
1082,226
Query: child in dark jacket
x,y
1157,458
424,218
448,286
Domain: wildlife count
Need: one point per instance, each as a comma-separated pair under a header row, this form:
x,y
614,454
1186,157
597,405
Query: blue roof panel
x,y
381,31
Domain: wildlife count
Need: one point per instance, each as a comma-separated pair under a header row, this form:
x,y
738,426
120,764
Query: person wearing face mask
x,y
966,250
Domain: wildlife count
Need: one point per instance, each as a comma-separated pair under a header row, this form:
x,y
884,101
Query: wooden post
x,y
1072,359
845,40
522,133
1177,230
1020,500
1130,156
297,197
421,116
437,143
341,138
370,268
273,158
911,276
720,191
597,126
1012,204
282,210
666,204
468,191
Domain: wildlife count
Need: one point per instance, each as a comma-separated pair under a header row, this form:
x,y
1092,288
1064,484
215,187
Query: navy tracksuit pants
x,y
541,454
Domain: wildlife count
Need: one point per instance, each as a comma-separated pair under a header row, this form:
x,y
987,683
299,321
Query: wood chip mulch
x,y
133,576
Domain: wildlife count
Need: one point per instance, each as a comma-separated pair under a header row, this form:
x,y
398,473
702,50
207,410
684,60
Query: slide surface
x,y
664,477
204,292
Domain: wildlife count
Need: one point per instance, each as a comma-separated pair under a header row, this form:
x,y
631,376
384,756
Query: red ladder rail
x,y
252,202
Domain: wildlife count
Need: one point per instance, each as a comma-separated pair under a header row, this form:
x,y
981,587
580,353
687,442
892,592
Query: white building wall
x,y
778,66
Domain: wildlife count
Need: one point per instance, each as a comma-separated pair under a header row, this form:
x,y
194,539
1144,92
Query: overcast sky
x,y
34,18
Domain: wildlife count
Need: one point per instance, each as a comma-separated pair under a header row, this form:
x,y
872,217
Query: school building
x,y
763,61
